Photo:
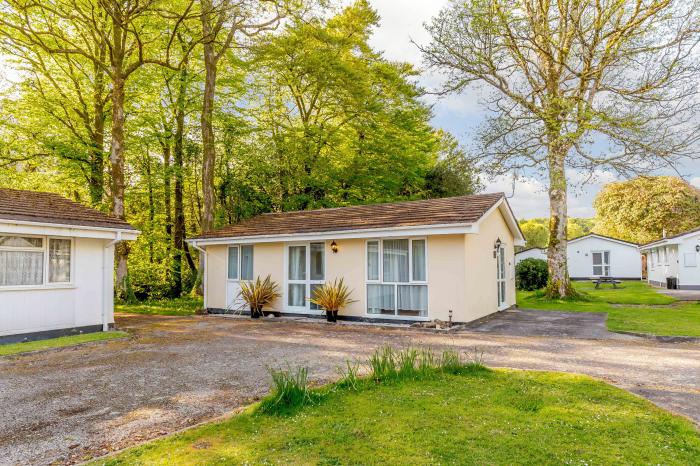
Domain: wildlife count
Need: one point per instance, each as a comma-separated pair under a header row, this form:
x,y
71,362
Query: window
x,y
306,270
34,261
690,259
601,263
240,262
59,260
400,289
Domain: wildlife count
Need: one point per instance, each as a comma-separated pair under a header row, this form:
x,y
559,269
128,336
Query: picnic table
x,y
600,280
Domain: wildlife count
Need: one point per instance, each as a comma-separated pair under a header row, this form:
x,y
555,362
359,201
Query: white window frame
x,y
240,261
380,280
502,252
602,262
45,284
307,282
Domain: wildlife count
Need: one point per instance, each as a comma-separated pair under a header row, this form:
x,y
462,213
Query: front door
x,y
305,271
501,276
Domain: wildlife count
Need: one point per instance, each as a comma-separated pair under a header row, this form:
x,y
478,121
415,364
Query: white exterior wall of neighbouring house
x,y
625,261
532,253
675,257
41,308
86,303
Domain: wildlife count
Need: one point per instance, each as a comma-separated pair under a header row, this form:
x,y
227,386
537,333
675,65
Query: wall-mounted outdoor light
x,y
697,248
496,247
334,247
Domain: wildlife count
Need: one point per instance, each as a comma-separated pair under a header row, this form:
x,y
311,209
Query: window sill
x,y
67,286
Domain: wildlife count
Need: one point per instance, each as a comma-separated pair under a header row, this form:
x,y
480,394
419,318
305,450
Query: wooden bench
x,y
600,280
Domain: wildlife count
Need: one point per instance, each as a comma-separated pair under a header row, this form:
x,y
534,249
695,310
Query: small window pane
x,y
317,258
59,261
373,260
21,268
296,296
418,250
413,300
380,299
297,262
247,262
395,258
233,263
314,306
21,242
597,270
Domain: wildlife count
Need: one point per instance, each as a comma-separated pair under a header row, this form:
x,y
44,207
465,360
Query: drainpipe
x,y
117,238
203,258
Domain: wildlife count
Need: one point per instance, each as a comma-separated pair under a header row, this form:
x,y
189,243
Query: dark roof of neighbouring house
x,y
41,207
457,210
689,232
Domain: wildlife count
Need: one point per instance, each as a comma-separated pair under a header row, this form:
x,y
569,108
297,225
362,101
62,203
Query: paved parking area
x,y
520,322
62,406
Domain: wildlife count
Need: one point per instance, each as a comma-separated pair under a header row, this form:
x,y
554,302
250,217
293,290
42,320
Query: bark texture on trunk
x,y
559,284
116,156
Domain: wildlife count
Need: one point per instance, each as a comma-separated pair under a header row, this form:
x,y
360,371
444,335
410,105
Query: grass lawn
x,y
487,417
167,307
629,307
15,348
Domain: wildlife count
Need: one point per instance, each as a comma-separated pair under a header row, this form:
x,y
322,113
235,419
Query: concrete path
x,y
681,295
62,406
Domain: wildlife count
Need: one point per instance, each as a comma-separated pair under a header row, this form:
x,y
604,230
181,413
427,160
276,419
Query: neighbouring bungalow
x,y
595,255
444,259
676,257
56,266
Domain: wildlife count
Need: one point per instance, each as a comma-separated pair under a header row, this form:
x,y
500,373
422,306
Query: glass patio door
x,y
501,276
305,272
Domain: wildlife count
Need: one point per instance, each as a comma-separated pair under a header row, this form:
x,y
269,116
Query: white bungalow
x,y
674,257
595,255
56,266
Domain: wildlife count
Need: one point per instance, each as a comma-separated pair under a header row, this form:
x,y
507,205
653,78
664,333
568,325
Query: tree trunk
x,y
116,156
167,194
208,141
559,284
151,203
97,132
179,225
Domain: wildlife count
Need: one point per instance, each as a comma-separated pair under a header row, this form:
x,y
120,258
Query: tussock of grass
x,y
16,348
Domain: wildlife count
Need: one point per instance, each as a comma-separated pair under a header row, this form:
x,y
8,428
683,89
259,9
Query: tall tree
x,y
641,209
72,27
565,74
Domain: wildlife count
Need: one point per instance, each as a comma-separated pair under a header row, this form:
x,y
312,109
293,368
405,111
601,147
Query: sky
x,y
401,23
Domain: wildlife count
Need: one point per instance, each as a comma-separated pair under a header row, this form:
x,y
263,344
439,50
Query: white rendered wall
x,y
535,253
625,259
688,275
77,305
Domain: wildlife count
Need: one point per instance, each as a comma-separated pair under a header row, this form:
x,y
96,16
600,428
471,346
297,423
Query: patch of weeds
x,y
450,362
290,391
382,364
349,376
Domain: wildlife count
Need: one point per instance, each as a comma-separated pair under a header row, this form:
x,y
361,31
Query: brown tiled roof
x,y
40,207
462,209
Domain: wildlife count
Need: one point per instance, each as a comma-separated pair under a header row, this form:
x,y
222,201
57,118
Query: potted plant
x,y
259,293
332,297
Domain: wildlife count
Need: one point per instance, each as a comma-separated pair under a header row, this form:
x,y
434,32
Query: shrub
x,y
290,391
259,293
531,274
332,296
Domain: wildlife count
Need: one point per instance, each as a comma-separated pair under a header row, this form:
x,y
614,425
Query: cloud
x,y
695,181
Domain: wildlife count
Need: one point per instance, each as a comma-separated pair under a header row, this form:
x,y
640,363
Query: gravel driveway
x,y
70,404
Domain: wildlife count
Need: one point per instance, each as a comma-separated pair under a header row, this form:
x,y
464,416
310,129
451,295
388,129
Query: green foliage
x,y
259,293
185,306
531,274
332,296
639,210
487,417
536,230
